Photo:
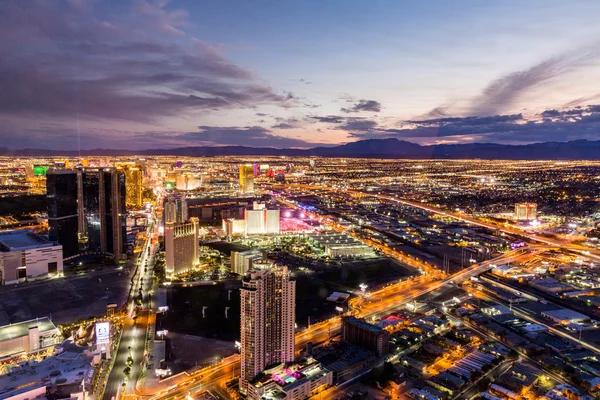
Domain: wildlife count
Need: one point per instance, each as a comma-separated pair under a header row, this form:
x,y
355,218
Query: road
x,y
579,249
133,339
576,248
380,303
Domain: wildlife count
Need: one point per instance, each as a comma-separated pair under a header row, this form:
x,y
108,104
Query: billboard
x,y
102,333
40,170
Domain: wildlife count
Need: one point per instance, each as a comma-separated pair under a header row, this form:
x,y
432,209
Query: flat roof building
x,y
26,256
28,337
565,316
363,334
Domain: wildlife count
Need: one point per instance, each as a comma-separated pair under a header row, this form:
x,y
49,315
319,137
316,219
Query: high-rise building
x,y
175,209
62,194
133,181
247,178
181,246
114,213
525,211
268,313
370,337
134,188
262,221
95,199
242,261
233,226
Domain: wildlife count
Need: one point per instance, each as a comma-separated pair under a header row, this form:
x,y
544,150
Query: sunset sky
x,y
157,74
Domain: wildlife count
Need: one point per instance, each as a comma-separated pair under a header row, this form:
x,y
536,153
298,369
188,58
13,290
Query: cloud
x,y
254,136
331,119
557,125
501,93
358,124
363,105
283,123
59,60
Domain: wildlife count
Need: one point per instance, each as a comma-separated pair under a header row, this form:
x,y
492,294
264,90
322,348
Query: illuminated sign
x,y
40,170
102,332
169,185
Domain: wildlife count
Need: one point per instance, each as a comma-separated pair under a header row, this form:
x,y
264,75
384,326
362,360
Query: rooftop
x,y
20,329
21,240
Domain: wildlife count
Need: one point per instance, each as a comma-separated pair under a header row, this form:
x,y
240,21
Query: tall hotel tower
x,y
268,316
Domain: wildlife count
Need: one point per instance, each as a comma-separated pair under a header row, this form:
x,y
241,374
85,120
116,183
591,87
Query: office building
x,y
86,211
63,223
268,302
242,261
247,178
181,246
26,256
359,332
525,211
175,209
28,337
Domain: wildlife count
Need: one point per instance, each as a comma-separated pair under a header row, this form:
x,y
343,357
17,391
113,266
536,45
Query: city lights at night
x,y
336,199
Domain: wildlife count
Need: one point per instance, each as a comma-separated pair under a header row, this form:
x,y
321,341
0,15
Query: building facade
x,y
247,178
359,332
181,246
28,337
25,256
262,221
268,302
525,211
86,211
241,261
175,209
63,212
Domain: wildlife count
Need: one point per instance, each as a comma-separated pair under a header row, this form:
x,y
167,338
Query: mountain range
x,y
371,148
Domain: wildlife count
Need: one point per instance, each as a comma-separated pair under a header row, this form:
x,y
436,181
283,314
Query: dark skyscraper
x,y
61,187
96,202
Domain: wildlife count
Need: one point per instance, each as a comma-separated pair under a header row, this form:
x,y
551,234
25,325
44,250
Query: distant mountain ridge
x,y
370,148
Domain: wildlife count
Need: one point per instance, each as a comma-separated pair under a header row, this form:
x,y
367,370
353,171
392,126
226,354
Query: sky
x,y
141,74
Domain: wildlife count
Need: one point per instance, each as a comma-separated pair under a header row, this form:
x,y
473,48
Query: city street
x,y
133,339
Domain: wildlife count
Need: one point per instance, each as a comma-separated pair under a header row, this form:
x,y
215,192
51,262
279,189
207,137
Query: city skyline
x,y
145,74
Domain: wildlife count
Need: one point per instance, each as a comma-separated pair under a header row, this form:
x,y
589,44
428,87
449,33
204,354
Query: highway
x,y
579,249
380,303
133,337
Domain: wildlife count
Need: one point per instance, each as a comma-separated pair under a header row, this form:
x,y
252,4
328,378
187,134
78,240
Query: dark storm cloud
x,y
254,136
364,105
60,60
501,93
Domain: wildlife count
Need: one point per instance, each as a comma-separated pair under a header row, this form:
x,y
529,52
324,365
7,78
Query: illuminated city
x,y
329,200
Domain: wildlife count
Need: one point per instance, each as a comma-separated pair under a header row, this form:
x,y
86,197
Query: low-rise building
x,y
295,382
26,256
565,316
28,337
